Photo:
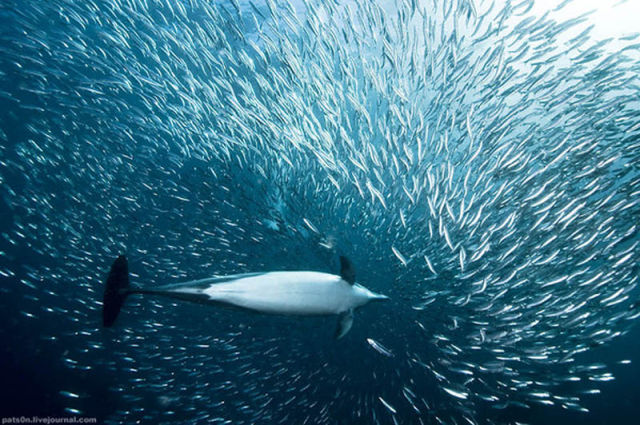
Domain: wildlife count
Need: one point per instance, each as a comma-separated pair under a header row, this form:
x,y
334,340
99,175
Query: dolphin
x,y
303,293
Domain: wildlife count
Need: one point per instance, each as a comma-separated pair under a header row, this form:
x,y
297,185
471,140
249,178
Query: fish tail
x,y
116,290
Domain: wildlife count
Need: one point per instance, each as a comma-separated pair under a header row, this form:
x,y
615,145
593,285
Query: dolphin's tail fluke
x,y
116,290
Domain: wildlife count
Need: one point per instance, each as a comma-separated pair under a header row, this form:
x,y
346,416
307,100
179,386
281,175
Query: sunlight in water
x,y
611,18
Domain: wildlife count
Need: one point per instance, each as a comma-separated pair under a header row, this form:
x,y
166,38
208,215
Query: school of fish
x,y
478,164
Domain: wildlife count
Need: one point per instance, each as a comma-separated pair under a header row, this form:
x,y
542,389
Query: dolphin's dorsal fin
x,y
347,272
345,320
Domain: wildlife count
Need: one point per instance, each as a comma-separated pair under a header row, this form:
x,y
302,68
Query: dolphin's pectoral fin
x,y
345,320
347,272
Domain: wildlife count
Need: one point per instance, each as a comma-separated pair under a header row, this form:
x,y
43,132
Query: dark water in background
x,y
32,374
40,350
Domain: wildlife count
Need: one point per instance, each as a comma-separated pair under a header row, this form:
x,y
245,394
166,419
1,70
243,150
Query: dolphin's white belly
x,y
304,293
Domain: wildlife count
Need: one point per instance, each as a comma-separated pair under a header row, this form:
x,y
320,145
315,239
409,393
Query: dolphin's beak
x,y
370,295
379,297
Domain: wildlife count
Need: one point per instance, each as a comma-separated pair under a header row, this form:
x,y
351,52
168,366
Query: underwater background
x,y
478,162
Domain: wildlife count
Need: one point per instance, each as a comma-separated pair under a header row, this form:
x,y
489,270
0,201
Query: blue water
x,y
33,375
144,130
